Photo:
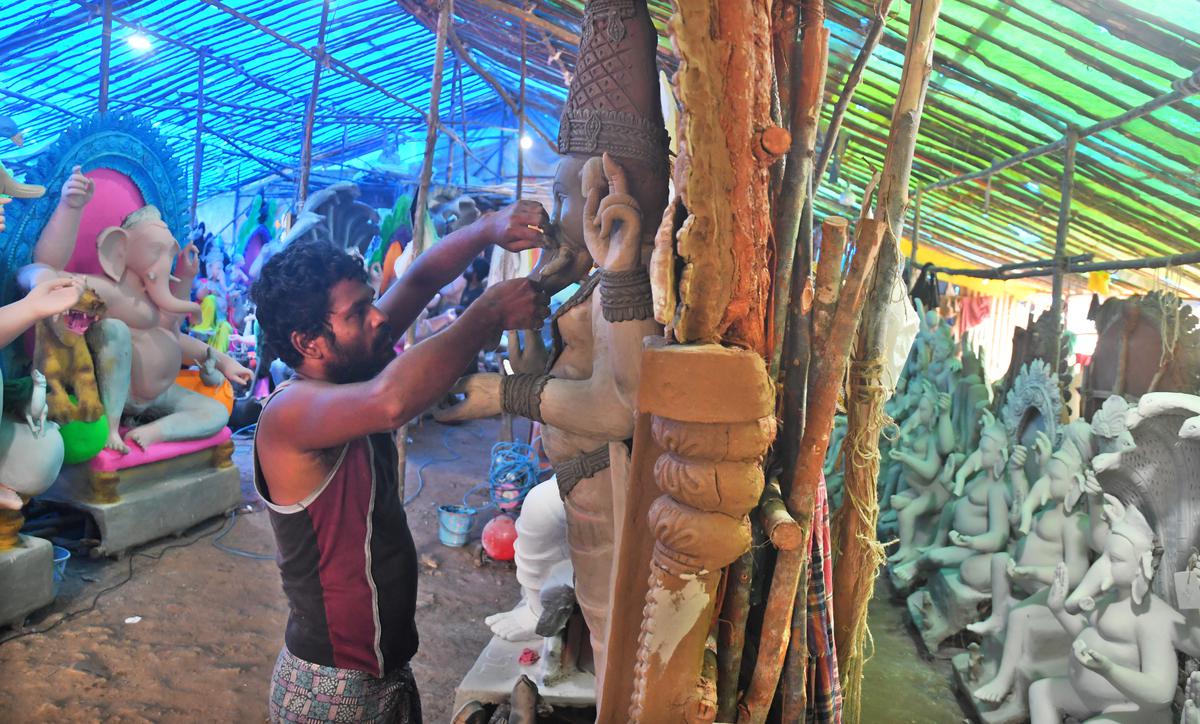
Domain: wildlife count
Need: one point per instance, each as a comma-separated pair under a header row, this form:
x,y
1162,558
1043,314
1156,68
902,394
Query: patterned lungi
x,y
310,693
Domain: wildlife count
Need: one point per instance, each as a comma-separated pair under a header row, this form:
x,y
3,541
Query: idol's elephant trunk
x,y
1096,581
159,290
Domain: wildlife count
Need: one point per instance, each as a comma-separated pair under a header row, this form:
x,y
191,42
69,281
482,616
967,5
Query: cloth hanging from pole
x,y
824,687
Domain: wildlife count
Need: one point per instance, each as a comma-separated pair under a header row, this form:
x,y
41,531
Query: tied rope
x,y
861,499
513,473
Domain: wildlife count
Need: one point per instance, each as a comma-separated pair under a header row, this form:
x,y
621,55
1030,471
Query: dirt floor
x,y
192,636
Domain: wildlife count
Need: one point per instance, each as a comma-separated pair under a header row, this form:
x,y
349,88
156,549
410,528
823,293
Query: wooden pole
x,y
461,50
808,65
856,567
916,236
527,15
1180,89
850,85
105,54
334,64
462,117
435,95
198,155
521,118
310,109
1060,242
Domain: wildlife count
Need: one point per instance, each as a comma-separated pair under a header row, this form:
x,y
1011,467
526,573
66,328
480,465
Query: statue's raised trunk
x,y
159,290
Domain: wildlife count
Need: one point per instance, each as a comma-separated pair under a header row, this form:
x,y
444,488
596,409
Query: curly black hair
x,y
292,293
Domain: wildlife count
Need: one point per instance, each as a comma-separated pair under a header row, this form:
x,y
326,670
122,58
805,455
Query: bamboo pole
x,y
418,239
1060,242
461,50
336,66
527,16
198,153
105,54
856,567
808,70
521,118
850,85
915,237
1180,89
825,381
731,638
462,117
310,108
781,528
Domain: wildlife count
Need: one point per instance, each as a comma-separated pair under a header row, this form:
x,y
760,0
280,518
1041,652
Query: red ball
x,y
499,535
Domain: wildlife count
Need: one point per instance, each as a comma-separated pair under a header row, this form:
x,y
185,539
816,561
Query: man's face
x,y
359,337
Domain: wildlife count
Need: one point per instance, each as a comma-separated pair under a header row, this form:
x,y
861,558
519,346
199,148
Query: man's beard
x,y
349,368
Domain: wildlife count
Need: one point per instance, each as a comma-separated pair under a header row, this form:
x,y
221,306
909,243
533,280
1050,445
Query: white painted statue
x,y
979,514
1123,665
1052,535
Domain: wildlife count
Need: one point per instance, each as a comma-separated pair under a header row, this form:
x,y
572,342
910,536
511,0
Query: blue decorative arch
x,y
115,141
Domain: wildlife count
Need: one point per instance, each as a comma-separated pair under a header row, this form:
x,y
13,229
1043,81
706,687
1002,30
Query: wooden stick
x,y
461,50
198,151
834,235
310,109
915,236
825,381
105,54
854,571
850,85
731,638
809,66
527,16
1060,243
778,523
521,117
418,240
338,67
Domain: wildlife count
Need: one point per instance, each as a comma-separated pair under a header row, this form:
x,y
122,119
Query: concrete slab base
x,y
1043,654
26,579
944,607
495,673
154,500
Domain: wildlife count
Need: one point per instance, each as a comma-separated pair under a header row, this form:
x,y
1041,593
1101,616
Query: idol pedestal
x,y
26,579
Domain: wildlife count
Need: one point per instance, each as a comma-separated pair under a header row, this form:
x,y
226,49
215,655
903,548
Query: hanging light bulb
x,y
139,42
526,142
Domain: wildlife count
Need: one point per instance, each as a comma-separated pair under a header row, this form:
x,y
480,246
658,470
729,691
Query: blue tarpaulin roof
x,y
256,86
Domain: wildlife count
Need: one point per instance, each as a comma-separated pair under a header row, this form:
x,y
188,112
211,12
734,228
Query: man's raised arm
x,y
516,227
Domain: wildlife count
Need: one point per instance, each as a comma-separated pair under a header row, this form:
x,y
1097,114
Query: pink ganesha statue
x,y
139,348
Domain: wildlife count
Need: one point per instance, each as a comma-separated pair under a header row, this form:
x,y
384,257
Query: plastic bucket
x,y
454,524
61,556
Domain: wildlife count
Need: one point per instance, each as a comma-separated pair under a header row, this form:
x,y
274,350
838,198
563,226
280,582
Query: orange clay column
x,y
712,413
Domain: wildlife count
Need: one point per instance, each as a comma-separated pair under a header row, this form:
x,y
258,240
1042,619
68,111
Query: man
x,y
326,465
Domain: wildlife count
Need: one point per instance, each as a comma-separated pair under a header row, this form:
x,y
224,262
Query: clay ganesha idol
x,y
141,332
610,190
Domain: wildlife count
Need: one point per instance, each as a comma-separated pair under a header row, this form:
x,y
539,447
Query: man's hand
x,y
54,296
234,372
519,226
77,190
515,304
3,200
